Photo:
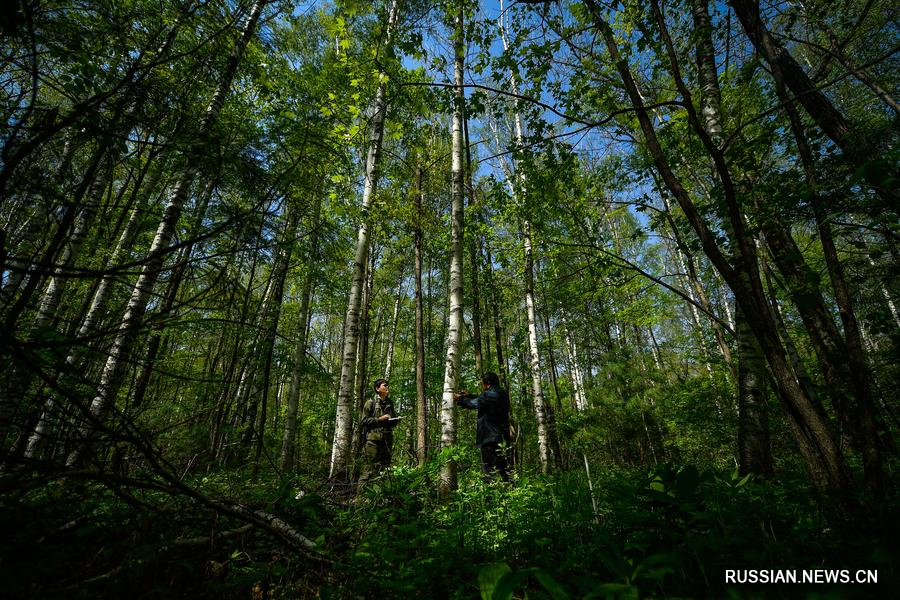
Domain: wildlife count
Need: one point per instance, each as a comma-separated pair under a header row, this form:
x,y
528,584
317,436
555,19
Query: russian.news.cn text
x,y
801,576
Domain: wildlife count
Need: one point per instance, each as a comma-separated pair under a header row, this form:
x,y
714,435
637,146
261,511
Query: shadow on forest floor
x,y
664,533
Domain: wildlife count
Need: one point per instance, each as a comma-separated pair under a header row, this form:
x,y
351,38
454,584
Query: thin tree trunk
x,y
817,105
233,374
542,411
474,257
56,286
90,322
114,369
421,423
694,287
389,354
270,315
502,358
341,445
864,413
34,277
167,310
362,353
892,306
550,353
38,437
537,392
575,369
754,447
295,395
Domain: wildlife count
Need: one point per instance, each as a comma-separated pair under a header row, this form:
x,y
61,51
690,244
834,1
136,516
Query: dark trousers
x,y
375,459
494,462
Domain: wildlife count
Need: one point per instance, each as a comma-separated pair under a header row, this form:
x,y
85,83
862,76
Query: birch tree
x,y
114,369
341,445
517,184
455,325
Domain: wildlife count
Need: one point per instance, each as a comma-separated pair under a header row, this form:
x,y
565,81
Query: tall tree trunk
x,y
294,394
454,330
813,434
341,445
114,369
53,293
92,317
421,424
474,257
167,310
16,371
362,352
864,413
696,292
476,307
543,413
44,265
550,353
537,392
502,358
88,325
389,353
804,411
754,447
270,315
33,229
574,369
711,97
235,371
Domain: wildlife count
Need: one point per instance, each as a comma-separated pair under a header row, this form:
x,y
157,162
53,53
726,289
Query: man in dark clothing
x,y
492,433
378,428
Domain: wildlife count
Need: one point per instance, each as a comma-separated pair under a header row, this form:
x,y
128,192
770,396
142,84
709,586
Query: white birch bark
x,y
726,306
887,297
114,369
540,408
343,427
98,302
57,284
455,323
540,411
389,353
575,369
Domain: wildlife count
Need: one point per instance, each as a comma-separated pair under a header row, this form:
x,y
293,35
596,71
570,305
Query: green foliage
x,y
664,532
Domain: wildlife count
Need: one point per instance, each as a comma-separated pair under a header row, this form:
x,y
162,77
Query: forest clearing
x,y
406,299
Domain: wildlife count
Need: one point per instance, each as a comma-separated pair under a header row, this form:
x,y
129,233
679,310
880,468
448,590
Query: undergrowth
x,y
662,533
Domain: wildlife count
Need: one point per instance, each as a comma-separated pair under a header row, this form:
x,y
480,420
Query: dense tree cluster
x,y
671,228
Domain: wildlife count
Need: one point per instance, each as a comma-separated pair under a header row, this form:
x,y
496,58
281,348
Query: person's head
x,y
381,387
489,379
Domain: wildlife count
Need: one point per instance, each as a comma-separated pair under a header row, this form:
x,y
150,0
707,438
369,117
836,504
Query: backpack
x,y
363,429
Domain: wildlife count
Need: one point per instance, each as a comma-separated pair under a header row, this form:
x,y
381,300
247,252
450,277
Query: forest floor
x,y
665,532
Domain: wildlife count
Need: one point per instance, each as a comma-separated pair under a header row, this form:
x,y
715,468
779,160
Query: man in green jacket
x,y
377,425
492,433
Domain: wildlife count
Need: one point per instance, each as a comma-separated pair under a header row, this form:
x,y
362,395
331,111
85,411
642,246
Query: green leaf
x,y
510,582
488,578
551,585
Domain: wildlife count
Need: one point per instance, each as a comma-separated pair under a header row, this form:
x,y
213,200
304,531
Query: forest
x,y
670,228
